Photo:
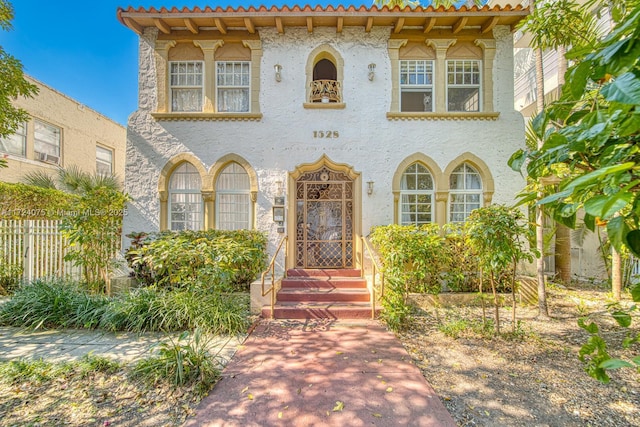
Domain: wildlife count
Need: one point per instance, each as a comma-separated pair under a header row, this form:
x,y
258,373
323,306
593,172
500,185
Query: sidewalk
x,y
321,373
72,344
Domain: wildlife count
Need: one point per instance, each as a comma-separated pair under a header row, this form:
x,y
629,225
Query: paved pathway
x,y
71,344
314,373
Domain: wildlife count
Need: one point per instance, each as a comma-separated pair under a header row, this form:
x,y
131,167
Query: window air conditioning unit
x,y
48,158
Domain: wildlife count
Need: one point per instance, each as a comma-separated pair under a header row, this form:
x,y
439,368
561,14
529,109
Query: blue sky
x,y
79,48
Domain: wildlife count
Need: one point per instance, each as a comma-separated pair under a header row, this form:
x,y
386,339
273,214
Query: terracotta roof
x,y
481,19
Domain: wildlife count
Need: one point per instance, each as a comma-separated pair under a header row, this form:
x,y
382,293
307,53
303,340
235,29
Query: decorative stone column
x,y
162,73
440,85
163,195
256,58
488,55
393,46
209,199
208,49
442,197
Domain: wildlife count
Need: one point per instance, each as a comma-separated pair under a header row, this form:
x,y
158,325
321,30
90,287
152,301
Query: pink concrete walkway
x,y
321,373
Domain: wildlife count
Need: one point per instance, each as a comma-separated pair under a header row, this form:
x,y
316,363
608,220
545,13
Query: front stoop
x,y
322,294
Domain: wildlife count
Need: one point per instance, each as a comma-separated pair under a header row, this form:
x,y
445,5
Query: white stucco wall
x,y
283,139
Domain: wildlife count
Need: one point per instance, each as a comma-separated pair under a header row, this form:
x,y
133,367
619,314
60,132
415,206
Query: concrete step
x,y
301,282
323,295
326,273
293,310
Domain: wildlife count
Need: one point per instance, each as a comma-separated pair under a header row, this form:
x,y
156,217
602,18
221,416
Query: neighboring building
x,y
62,132
346,117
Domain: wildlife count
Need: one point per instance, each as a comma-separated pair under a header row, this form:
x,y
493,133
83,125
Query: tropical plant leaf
x,y
632,240
624,89
615,364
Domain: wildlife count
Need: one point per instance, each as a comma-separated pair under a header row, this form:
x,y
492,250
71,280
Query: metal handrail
x,y
376,268
272,269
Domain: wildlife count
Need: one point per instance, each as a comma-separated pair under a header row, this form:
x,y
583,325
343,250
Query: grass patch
x,y
63,304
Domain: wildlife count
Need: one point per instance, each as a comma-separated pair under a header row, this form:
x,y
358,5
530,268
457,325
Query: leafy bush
x,y
220,260
16,200
411,259
182,362
10,277
58,303
53,303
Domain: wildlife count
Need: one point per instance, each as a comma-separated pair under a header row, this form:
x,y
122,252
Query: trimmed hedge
x,y
21,201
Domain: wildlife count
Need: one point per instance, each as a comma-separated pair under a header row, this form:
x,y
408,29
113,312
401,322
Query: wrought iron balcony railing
x,y
326,91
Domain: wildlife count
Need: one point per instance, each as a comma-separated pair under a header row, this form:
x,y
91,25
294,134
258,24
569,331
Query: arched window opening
x,y
416,195
465,192
185,199
233,198
325,86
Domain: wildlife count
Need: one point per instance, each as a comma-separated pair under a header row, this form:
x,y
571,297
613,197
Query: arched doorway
x,y
326,196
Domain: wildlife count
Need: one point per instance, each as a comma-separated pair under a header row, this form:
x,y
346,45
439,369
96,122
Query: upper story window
x,y
104,161
416,195
47,140
463,85
416,85
325,86
465,192
186,81
185,199
233,81
15,143
233,198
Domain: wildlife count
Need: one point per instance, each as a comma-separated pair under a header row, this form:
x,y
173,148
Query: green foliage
x,y
461,327
39,371
10,277
12,81
60,304
52,303
21,201
222,261
590,137
411,258
183,362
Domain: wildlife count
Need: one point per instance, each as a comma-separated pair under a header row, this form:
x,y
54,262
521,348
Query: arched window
x,y
416,195
185,199
233,198
465,192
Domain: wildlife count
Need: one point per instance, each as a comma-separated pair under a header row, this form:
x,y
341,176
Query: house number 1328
x,y
326,134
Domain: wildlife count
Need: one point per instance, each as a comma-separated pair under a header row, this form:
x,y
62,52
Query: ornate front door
x,y
324,215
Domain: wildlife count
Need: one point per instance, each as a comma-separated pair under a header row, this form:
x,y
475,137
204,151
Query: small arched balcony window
x,y
416,195
465,192
325,86
185,198
233,199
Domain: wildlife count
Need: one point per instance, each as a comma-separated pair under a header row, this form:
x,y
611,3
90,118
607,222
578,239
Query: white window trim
x,y
45,157
478,191
218,87
111,151
479,85
170,212
432,86
171,87
431,193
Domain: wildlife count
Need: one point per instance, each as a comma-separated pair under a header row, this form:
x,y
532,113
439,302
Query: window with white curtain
x,y
47,142
15,143
233,198
463,85
186,81
233,84
185,198
465,192
416,85
104,161
416,195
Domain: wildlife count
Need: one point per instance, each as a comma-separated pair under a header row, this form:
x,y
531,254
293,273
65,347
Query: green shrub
x,y
183,362
10,277
53,303
222,261
58,303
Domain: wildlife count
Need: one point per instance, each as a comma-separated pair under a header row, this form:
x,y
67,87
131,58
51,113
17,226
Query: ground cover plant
x,y
58,303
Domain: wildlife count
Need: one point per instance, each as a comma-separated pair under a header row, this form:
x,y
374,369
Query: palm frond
x,y
40,179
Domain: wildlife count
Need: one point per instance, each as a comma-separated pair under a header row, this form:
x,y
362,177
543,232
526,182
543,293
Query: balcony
x,y
326,91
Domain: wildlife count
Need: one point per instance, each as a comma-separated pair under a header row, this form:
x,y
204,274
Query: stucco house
x,y
62,132
319,123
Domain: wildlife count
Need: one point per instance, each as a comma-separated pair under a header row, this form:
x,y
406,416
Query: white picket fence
x,y
38,246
